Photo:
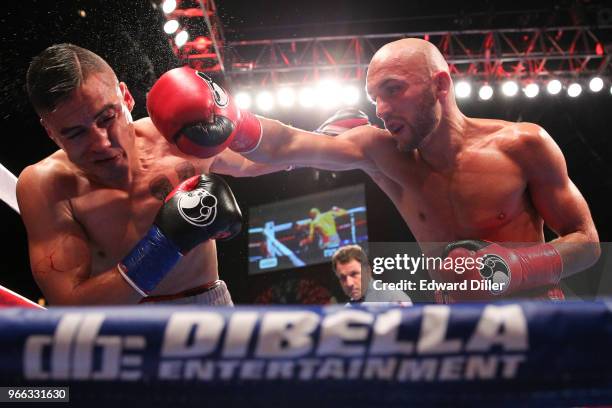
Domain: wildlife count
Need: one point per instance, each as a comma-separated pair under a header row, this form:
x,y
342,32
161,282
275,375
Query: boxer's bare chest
x,y
114,220
484,196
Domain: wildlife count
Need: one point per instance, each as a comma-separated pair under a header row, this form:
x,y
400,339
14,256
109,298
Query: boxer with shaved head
x,y
468,186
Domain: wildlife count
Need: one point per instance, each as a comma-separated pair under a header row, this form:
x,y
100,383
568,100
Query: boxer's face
x,y
349,275
405,101
94,127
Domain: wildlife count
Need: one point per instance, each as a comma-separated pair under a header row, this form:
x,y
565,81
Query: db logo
x,y
77,351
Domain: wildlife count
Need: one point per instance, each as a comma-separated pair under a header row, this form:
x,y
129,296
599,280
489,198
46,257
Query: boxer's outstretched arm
x,y
234,164
285,145
227,162
60,257
198,116
557,199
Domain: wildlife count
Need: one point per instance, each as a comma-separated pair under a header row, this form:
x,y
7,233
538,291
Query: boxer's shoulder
x,y
530,134
525,140
510,137
54,174
147,132
47,184
149,139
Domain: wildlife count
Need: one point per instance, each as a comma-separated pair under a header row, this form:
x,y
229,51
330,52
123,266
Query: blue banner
x,y
506,353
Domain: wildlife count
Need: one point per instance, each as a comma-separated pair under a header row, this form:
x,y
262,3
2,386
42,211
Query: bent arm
x,y
60,257
558,201
285,145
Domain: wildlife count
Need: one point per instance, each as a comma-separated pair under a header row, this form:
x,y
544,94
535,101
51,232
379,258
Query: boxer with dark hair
x,y
477,183
104,224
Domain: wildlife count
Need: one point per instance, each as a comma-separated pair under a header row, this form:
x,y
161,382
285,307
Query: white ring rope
x,y
8,188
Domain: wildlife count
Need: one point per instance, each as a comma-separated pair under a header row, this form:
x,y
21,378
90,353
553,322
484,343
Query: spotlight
x,y
554,87
307,97
463,89
596,84
265,101
181,38
574,90
171,26
243,100
328,93
510,88
285,97
169,6
350,95
531,90
485,92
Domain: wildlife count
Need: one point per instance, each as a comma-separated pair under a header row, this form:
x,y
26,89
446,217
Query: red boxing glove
x,y
193,112
502,270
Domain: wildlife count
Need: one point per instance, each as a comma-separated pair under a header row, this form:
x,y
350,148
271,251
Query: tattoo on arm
x,y
185,170
160,187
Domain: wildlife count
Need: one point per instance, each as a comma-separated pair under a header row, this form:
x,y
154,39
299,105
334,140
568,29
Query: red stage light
x,y
202,43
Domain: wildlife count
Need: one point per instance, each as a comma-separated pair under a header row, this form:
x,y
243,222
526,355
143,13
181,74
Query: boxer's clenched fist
x,y
503,270
201,208
193,112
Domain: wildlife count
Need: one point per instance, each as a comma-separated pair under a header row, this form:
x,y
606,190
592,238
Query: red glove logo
x,y
220,96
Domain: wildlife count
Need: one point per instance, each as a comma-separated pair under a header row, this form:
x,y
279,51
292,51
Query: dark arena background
x,y
299,62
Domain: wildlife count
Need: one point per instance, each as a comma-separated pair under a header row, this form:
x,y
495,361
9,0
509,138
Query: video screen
x,y
306,230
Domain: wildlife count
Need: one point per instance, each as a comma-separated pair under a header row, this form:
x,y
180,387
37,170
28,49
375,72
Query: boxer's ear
x,y
128,99
442,83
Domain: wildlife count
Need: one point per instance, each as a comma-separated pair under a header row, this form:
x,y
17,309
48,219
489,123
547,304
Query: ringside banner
x,y
536,352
